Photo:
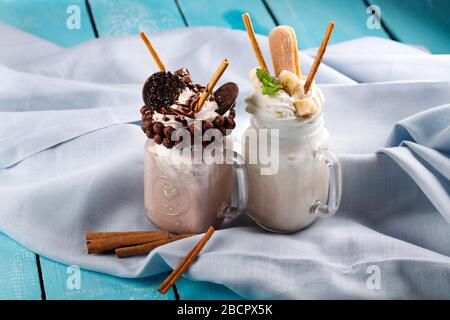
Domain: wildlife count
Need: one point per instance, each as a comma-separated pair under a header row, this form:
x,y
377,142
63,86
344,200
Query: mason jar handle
x,y
237,161
331,205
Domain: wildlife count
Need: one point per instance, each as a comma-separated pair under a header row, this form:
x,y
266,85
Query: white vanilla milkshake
x,y
287,123
282,201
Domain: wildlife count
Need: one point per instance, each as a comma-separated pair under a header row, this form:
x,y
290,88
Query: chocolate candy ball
x,y
219,121
167,143
158,139
168,132
229,123
158,127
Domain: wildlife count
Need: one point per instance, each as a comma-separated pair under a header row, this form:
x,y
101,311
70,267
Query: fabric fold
x,y
46,129
423,149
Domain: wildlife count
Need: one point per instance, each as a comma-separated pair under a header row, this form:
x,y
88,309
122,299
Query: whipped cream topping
x,y
281,106
184,97
207,112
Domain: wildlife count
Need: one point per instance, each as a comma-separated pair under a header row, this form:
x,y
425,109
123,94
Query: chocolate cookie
x,y
226,96
162,89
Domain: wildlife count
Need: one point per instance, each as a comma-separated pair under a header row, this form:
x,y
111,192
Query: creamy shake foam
x,y
282,108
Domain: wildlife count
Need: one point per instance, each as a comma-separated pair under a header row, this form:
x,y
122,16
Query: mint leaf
x,y
271,91
270,85
263,75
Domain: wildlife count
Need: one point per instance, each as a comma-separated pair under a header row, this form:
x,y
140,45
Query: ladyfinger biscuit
x,y
284,50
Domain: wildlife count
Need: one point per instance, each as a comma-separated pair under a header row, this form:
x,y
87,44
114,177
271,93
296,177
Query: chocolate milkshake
x,y
184,192
182,196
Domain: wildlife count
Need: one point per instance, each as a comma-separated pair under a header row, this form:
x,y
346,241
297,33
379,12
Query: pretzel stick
x,y
216,76
153,52
186,262
319,56
253,41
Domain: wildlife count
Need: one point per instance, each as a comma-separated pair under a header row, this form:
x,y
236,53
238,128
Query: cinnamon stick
x,y
186,262
91,235
147,247
107,244
253,41
209,88
319,56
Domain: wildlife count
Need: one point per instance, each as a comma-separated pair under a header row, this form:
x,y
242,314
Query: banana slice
x,y
305,108
254,79
284,50
291,84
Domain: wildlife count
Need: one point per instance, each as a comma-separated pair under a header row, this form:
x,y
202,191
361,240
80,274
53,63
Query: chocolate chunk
x,y
185,75
226,97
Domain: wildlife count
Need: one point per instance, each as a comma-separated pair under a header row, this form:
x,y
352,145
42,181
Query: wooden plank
x,y
310,18
124,17
198,290
227,14
418,22
48,19
60,284
19,278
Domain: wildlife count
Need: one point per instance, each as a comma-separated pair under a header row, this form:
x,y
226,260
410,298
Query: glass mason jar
x,y
306,183
186,196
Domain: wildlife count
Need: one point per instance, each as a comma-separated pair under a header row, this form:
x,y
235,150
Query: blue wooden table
x,y
25,275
